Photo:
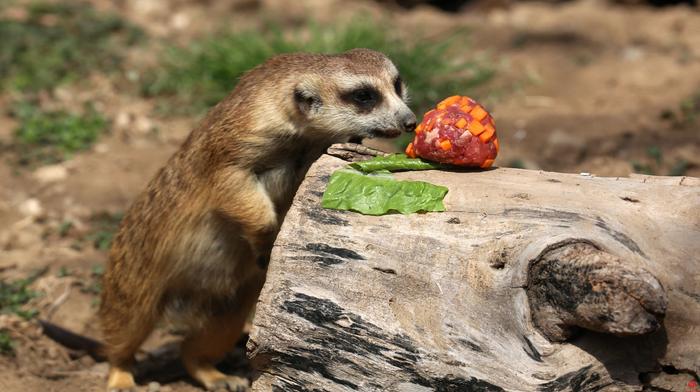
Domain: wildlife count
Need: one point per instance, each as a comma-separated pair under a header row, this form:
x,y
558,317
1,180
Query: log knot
x,y
578,285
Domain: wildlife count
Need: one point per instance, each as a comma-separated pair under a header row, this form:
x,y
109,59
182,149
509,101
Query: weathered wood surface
x,y
476,298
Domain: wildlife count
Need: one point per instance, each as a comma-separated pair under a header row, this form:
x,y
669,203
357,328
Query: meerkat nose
x,y
409,123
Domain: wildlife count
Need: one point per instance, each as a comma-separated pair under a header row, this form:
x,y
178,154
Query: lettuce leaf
x,y
394,162
378,194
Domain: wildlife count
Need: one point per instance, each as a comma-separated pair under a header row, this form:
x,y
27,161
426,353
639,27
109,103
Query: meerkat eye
x,y
365,98
398,86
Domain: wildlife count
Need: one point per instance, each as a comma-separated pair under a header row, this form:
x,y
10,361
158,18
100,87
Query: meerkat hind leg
x,y
120,380
203,350
122,341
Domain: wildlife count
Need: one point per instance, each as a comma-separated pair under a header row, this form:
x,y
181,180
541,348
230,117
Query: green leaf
x,y
380,194
394,162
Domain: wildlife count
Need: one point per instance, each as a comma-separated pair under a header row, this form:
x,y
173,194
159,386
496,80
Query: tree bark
x,y
531,281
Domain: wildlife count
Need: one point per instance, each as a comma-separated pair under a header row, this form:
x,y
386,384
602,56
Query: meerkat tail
x,y
73,341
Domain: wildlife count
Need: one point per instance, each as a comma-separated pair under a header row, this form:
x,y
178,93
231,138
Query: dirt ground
x,y
581,86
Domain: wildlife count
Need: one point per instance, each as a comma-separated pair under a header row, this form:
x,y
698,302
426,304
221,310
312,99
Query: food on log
x,y
459,132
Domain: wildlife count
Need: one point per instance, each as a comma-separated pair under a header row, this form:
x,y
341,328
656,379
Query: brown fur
x,y
187,247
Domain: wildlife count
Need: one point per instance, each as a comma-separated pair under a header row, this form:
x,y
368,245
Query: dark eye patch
x,y
398,86
365,98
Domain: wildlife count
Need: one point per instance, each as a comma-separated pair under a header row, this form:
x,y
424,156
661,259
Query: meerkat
x,y
194,246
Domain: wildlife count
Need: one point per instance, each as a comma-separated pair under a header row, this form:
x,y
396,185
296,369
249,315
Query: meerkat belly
x,y
212,263
213,257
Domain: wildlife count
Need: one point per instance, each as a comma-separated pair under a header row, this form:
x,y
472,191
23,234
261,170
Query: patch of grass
x,y
7,346
516,163
679,168
53,136
60,42
655,164
95,285
643,168
655,153
99,236
63,272
105,225
64,228
200,75
14,295
690,109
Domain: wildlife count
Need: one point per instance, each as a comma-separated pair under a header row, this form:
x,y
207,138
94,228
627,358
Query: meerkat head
x,y
353,95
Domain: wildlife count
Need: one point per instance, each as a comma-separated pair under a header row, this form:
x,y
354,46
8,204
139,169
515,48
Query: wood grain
x,y
441,301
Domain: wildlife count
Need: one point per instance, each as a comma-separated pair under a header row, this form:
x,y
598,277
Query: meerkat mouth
x,y
385,133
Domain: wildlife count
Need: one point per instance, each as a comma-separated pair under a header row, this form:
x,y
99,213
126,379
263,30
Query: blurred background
x,y
95,96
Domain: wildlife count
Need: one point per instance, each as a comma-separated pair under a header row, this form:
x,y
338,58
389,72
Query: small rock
x,y
147,6
180,21
16,13
143,125
632,53
51,173
100,368
520,135
86,361
101,148
52,352
673,382
153,387
63,94
31,207
122,120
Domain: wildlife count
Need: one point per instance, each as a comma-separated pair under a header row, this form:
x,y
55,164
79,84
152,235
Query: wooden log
x,y
531,281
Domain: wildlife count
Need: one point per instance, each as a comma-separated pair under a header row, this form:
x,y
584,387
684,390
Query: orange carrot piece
x,y
495,144
486,135
445,145
410,151
487,163
448,101
419,128
478,113
475,128
461,123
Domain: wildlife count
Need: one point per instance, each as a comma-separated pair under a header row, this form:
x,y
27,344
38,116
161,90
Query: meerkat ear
x,y
307,101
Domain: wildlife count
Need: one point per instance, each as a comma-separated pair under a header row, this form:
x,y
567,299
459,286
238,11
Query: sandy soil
x,y
581,86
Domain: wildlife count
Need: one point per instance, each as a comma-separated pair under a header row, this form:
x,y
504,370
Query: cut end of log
x,y
577,285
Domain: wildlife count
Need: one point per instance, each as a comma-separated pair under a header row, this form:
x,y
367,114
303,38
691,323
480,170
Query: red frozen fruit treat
x,y
459,132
